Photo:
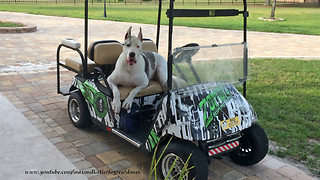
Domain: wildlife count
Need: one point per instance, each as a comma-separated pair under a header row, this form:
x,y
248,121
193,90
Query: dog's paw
x,y
165,87
127,104
116,106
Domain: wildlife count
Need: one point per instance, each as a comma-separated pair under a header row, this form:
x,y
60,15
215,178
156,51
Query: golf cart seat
x,y
100,53
149,45
105,52
153,87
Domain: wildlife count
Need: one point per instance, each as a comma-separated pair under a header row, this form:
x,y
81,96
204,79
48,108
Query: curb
x,y
25,29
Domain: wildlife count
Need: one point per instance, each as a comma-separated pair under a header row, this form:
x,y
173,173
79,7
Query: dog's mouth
x,y
131,61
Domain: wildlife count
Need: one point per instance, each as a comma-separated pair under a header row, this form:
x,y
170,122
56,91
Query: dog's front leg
x,y
128,101
116,103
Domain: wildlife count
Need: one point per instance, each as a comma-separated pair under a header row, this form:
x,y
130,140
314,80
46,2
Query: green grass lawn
x,y
9,24
297,19
285,94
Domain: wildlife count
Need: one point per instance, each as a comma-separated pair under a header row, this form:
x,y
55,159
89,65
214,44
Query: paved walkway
x,y
37,134
24,149
40,47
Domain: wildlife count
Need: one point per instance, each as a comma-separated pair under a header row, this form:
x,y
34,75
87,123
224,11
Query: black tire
x,y
78,110
253,147
182,149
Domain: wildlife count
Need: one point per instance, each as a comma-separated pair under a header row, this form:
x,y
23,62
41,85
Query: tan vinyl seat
x,y
76,64
154,87
102,56
99,53
149,45
106,52
103,53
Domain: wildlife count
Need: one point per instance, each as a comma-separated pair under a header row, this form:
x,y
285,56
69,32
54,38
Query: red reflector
x,y
108,129
223,148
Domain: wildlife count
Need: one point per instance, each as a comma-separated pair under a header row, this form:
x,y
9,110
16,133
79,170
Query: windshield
x,y
214,64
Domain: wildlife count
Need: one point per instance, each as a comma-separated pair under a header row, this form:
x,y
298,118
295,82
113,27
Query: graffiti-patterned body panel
x,y
204,112
199,112
98,103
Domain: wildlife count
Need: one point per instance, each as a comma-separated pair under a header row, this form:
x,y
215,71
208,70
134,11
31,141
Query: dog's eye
x,y
138,46
128,45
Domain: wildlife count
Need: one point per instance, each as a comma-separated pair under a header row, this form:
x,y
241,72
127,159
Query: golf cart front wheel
x,y
78,110
253,147
176,156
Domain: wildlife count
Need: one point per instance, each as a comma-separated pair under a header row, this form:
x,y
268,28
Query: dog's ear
x,y
128,34
140,35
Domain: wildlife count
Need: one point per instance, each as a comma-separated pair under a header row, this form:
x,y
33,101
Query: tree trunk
x,y
273,10
318,3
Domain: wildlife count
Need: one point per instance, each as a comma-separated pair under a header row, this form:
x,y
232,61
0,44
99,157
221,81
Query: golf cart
x,y
203,112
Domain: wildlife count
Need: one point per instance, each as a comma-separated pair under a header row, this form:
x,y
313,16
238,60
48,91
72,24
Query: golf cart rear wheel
x,y
182,150
253,147
78,110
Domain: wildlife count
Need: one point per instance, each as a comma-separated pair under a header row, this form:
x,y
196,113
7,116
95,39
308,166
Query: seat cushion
x,y
105,53
75,63
149,45
154,87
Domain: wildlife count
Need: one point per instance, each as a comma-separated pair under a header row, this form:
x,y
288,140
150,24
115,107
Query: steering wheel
x,y
185,55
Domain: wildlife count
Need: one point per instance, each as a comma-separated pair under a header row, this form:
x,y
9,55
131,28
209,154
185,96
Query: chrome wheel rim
x,y
167,162
74,110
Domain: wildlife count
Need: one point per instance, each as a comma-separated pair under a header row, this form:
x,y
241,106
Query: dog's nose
x,y
132,54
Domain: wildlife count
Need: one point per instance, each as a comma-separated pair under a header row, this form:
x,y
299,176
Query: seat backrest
x,y
149,45
105,52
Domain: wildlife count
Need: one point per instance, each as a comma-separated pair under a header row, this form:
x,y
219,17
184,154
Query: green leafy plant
x,y
154,163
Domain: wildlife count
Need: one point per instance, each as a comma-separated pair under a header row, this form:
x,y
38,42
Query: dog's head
x,y
132,46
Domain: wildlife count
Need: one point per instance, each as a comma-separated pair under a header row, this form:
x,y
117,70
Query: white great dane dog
x,y
135,67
